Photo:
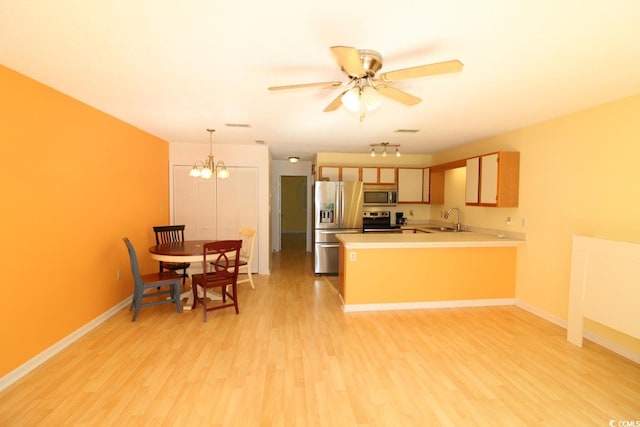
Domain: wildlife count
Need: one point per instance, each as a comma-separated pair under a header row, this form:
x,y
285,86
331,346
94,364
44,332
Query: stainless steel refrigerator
x,y
337,209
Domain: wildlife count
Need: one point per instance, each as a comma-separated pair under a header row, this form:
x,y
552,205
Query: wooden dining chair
x,y
224,258
162,284
248,236
170,234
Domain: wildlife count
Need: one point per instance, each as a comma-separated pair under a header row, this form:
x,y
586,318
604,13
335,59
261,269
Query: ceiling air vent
x,y
406,130
237,125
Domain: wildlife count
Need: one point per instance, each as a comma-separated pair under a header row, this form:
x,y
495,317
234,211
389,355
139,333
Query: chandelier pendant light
x,y
208,168
384,146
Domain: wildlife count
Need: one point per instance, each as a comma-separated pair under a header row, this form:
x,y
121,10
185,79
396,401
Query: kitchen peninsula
x,y
389,271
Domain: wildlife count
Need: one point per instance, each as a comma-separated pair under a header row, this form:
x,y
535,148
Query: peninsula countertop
x,y
468,239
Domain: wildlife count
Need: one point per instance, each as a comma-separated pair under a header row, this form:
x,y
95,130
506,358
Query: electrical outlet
x,y
352,256
508,221
524,222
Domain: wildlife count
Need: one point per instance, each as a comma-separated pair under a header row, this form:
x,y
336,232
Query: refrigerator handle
x,y
339,204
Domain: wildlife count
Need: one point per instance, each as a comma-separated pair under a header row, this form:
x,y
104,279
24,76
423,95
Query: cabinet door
x,y
350,174
493,179
436,187
387,175
473,181
425,185
370,175
330,173
409,185
489,179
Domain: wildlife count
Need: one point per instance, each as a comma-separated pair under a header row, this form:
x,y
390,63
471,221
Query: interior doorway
x,y
293,212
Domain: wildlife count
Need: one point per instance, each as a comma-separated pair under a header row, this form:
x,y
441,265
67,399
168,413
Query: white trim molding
x,y
56,348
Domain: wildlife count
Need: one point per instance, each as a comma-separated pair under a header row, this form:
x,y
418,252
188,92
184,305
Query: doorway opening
x,y
293,213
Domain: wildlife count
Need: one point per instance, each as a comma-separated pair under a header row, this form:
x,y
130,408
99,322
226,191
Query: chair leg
x,y
250,278
234,288
204,303
176,288
137,303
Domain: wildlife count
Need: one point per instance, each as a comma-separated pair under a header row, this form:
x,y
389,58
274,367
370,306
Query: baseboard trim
x,y
603,342
350,308
544,315
56,348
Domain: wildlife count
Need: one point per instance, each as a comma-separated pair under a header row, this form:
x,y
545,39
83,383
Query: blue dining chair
x,y
157,282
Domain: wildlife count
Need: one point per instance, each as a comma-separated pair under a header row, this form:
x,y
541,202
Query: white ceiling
x,y
176,67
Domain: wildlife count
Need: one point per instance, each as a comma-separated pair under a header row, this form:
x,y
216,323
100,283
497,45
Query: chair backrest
x,y
248,236
224,259
133,259
169,233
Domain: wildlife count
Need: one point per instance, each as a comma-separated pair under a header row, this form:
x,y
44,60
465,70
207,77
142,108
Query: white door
x,y
194,204
237,206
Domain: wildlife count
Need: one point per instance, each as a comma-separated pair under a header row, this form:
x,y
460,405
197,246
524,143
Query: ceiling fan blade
x,y
349,60
335,104
422,71
398,95
306,85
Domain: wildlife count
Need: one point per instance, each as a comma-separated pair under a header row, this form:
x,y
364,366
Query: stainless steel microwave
x,y
380,196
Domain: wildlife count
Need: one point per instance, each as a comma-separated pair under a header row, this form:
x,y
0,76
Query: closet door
x,y
237,206
194,204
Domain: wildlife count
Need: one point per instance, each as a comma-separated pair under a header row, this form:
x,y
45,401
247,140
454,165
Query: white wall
x,y
257,156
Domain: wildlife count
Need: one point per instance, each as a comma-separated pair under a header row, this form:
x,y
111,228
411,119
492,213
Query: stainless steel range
x,y
378,222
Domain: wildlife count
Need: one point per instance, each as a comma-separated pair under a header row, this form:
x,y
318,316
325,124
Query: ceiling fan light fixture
x,y
370,98
351,99
373,152
397,151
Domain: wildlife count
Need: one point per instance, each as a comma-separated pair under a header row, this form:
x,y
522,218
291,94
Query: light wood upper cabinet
x,y
436,186
339,173
329,173
472,190
387,175
493,179
426,176
370,176
410,181
350,174
375,175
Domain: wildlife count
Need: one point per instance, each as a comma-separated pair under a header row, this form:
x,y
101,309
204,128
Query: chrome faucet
x,y
457,225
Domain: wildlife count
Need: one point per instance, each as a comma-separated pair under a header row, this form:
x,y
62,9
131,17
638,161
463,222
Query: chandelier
x,y
384,146
207,168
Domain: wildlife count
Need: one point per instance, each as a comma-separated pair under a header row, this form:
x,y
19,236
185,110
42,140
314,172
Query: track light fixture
x,y
384,146
207,168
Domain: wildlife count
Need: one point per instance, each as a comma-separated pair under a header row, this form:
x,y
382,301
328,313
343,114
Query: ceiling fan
x,y
363,87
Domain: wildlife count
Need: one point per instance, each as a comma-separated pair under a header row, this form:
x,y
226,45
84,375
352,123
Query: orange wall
x,y
74,182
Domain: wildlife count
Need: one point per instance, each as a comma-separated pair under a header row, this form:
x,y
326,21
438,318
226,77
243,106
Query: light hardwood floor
x,y
291,357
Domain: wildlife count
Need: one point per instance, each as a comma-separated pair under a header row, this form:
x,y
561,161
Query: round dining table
x,y
185,251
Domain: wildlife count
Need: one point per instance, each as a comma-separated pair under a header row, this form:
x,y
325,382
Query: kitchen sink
x,y
444,229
